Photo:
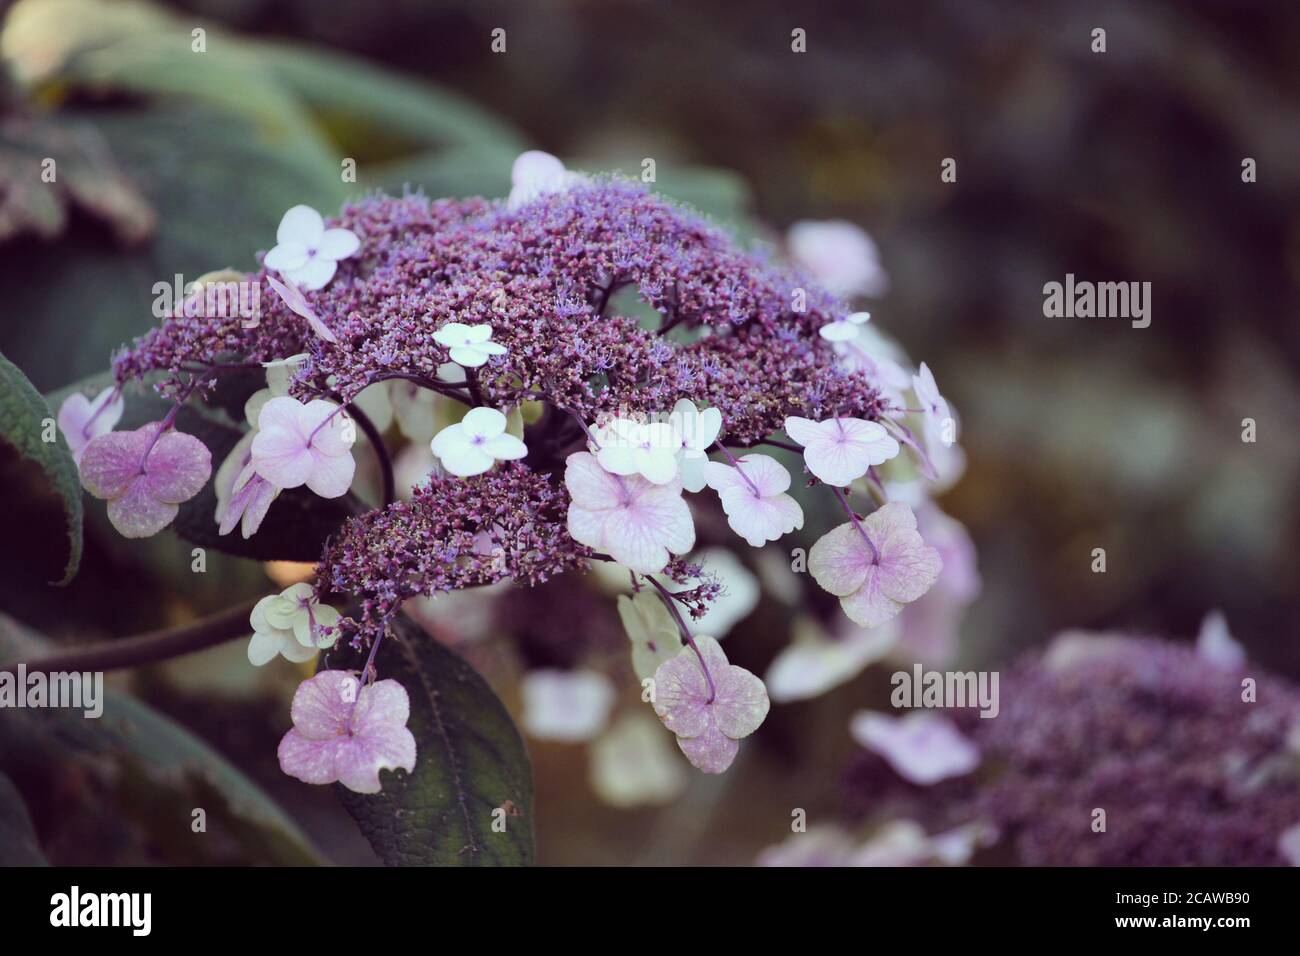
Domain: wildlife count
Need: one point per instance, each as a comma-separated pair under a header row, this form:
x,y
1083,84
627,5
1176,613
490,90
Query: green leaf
x,y
18,843
370,111
129,781
470,763
23,417
219,186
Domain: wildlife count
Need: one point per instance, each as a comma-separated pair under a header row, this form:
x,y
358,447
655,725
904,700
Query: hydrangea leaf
x,y
132,778
471,767
23,418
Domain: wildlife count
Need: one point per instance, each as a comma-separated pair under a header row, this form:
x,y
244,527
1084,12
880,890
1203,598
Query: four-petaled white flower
x,y
815,661
476,443
754,499
840,450
470,345
630,447
927,393
536,174
310,444
306,253
845,329
293,624
634,521
695,430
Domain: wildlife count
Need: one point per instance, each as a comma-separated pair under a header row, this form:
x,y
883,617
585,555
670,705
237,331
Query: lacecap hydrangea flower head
x,y
577,434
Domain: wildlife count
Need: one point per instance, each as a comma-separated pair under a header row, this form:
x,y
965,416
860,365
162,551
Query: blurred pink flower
x,y
922,747
1216,644
840,255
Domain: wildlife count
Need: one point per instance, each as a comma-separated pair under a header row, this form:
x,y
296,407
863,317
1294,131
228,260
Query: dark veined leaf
x,y
129,781
471,769
25,422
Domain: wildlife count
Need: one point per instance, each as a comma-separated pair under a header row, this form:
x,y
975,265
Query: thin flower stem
x,y
471,382
667,597
170,418
220,367
736,465
146,648
875,554
381,452
365,672
581,424
328,418
876,486
85,429
442,388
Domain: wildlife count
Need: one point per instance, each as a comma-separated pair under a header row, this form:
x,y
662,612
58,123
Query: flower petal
x,y
338,244
331,475
301,224
286,257
137,514
177,468
314,275
711,751
111,462
840,560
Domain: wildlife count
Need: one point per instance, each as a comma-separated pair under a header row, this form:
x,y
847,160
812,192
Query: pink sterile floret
x,y
875,580
143,480
340,734
708,724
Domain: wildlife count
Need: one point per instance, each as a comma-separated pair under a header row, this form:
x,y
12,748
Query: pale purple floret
x,y
876,565
299,444
753,496
638,523
922,747
709,714
144,480
340,734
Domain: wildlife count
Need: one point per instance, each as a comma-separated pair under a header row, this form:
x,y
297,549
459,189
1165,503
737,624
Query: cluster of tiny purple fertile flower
x,y
1108,750
580,433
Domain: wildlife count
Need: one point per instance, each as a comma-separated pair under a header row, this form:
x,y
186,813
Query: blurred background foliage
x,y
1080,433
